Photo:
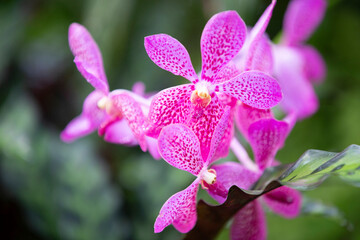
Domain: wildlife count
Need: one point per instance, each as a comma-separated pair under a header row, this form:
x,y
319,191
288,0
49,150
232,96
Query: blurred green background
x,y
91,189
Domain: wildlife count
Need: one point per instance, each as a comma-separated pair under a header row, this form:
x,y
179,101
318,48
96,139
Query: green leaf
x,y
308,172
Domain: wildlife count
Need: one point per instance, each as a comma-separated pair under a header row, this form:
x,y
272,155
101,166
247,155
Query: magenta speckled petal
x,y
299,95
179,210
131,111
246,115
89,120
284,201
218,137
314,64
222,38
120,133
169,106
232,173
169,54
87,57
227,72
180,147
253,88
301,19
249,223
203,122
266,137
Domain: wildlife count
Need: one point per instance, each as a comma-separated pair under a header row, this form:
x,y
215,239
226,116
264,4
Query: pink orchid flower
x,y
197,104
297,65
180,147
266,136
119,115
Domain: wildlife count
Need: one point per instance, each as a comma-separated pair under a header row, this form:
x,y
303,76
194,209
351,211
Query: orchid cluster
x,y
191,126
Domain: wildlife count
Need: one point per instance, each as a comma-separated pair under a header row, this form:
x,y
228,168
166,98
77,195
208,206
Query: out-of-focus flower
x,y
180,147
118,115
297,65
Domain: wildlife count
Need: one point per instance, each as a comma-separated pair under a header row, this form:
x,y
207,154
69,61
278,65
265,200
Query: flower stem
x,y
242,155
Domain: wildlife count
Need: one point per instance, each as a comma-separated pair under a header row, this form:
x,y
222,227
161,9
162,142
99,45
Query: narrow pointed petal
x,y
266,137
249,223
172,105
131,111
301,19
180,147
253,88
169,54
203,122
89,120
218,136
232,173
179,210
260,56
221,40
314,67
120,133
87,57
246,115
284,201
299,95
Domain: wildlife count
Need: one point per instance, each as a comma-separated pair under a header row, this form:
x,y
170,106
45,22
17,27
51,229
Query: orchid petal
x,y
131,111
314,65
284,201
139,89
203,122
89,120
180,147
227,72
259,56
249,223
87,57
120,133
246,115
253,88
301,19
232,173
172,105
152,144
218,136
179,210
299,95
222,38
170,55
266,137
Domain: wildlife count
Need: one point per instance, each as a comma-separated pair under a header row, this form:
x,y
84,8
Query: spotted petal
x,y
249,223
169,106
169,54
232,173
221,40
131,111
301,19
284,201
266,137
246,115
180,147
253,88
89,120
87,57
179,210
